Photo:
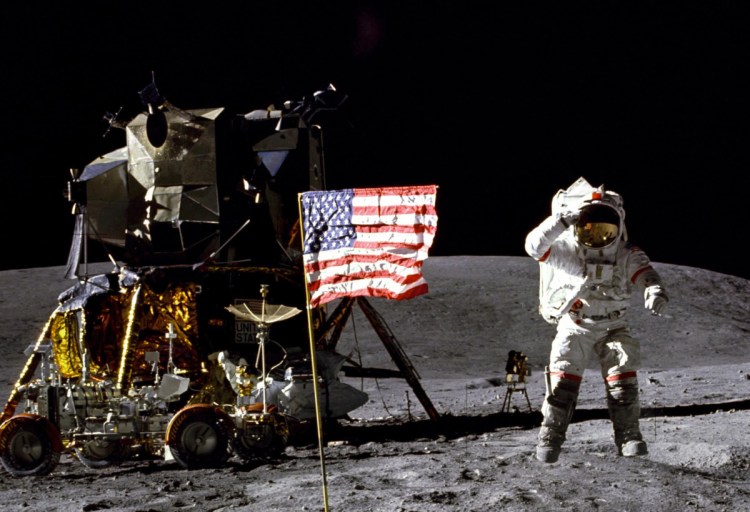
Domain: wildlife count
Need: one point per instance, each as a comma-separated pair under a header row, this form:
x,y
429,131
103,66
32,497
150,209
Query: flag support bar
x,y
314,365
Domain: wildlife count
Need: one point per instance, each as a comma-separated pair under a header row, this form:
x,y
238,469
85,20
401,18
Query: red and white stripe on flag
x,y
367,241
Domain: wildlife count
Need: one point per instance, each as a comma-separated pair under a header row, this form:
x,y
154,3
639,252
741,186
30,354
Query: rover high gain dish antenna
x,y
263,317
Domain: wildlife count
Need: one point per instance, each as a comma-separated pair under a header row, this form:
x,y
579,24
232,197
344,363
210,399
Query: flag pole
x,y
312,359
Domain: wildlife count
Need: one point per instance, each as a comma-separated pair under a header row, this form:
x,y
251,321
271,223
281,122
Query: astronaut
x,y
588,273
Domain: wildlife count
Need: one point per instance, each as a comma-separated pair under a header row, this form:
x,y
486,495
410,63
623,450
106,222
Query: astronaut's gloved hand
x,y
656,299
568,217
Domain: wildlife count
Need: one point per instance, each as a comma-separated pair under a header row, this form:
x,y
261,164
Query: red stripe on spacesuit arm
x,y
545,255
639,272
620,376
568,376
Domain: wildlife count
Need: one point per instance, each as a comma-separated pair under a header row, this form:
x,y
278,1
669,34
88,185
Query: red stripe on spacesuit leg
x,y
568,376
545,255
620,376
639,272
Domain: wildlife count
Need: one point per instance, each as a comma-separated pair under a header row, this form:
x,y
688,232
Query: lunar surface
x,y
478,454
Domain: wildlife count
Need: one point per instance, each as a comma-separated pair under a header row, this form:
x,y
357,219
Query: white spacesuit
x,y
588,272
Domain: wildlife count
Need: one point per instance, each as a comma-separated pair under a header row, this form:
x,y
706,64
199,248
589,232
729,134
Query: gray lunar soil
x,y
391,456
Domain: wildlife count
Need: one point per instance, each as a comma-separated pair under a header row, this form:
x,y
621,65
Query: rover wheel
x,y
198,438
27,448
101,453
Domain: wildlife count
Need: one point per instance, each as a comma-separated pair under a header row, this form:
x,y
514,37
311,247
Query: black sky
x,y
499,105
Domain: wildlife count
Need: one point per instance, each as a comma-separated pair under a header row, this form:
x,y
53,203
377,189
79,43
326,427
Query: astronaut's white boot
x,y
550,444
557,411
634,448
625,411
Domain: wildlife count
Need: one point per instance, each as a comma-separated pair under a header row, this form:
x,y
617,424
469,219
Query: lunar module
x,y
192,348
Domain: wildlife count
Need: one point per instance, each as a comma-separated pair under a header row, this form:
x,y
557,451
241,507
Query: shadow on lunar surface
x,y
450,427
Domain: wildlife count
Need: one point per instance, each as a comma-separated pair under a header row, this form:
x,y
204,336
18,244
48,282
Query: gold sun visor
x,y
598,226
596,234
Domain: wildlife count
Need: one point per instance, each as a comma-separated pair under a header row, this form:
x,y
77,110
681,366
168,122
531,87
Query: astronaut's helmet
x,y
598,225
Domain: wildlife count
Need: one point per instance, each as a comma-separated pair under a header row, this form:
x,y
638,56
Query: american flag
x,y
367,241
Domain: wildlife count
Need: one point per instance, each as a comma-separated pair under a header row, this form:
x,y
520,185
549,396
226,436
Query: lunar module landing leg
x,y
336,323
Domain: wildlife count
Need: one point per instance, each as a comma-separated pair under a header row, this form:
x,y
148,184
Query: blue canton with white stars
x,y
328,220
